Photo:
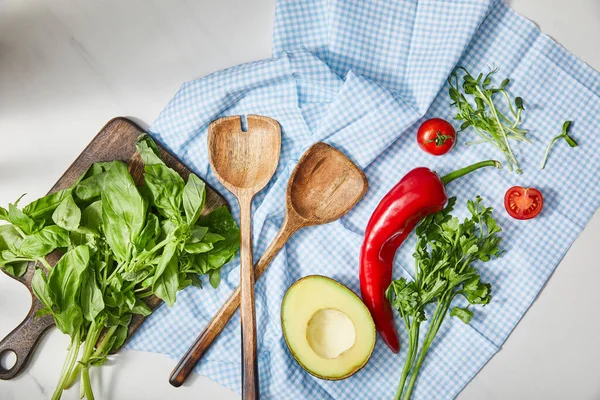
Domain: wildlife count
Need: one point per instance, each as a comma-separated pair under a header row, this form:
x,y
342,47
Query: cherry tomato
x,y
436,136
523,203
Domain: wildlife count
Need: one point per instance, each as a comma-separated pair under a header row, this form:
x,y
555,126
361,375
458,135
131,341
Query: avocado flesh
x,y
327,328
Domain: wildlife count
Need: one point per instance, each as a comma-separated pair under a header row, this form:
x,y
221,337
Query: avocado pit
x,y
330,332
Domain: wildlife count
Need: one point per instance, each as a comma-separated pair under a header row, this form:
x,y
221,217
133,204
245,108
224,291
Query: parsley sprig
x,y
477,107
446,252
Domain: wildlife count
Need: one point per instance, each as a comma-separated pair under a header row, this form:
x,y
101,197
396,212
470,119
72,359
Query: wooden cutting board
x,y
116,141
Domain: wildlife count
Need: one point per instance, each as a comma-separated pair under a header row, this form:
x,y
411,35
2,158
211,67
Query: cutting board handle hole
x,y
8,359
244,123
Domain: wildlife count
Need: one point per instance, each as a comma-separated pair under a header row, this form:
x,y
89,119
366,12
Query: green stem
x,y
501,127
146,254
547,153
20,231
100,350
67,366
436,322
88,349
45,263
413,339
87,386
466,170
116,271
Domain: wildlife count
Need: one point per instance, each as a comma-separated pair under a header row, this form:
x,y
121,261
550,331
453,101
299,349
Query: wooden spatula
x,y
244,161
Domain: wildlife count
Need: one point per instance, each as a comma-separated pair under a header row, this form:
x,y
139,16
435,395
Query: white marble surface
x,y
67,67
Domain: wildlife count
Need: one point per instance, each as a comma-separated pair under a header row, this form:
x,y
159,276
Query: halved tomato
x,y
523,203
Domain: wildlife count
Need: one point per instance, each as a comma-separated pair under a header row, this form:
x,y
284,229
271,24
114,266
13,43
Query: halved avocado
x,y
327,328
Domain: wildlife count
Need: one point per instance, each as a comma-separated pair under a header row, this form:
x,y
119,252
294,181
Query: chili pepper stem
x,y
446,179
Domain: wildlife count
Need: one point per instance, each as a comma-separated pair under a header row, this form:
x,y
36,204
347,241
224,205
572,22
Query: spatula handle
x,y
218,322
247,310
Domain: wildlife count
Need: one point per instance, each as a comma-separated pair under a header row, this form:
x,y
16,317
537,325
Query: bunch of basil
x,y
122,244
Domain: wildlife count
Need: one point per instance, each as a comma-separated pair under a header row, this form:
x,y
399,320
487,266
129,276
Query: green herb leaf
x,y
42,208
149,234
67,215
64,284
91,218
165,288
165,261
141,308
43,242
148,150
194,196
164,185
90,188
214,277
92,302
21,220
123,211
464,314
39,286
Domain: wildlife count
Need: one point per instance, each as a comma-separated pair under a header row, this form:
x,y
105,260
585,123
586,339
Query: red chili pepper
x,y
421,192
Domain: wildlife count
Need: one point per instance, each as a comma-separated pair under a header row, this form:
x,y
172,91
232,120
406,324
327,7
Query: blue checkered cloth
x,y
362,76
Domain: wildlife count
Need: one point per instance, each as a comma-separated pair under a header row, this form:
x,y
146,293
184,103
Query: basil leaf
x,y
163,184
64,284
225,250
214,277
15,268
218,221
67,215
43,242
90,188
195,280
148,150
197,233
10,239
3,214
165,187
92,302
120,336
149,234
141,308
165,260
42,208
91,218
213,237
165,288
39,285
123,210
200,240
221,225
194,196
196,248
21,220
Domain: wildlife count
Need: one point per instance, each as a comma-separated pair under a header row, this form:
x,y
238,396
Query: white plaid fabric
x,y
362,76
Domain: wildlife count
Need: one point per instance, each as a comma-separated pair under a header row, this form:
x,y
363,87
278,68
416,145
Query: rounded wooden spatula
x,y
324,186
